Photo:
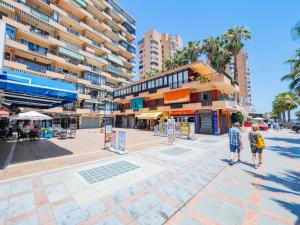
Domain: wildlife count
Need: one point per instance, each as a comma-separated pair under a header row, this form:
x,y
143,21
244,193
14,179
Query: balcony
x,y
114,69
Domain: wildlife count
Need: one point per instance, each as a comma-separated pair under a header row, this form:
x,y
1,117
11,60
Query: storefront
x,y
148,120
187,116
89,121
125,121
65,120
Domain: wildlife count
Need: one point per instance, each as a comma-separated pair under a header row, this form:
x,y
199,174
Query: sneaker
x,y
257,165
231,162
239,161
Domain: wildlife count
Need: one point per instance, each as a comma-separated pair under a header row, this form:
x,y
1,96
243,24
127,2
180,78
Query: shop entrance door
x,y
223,124
206,123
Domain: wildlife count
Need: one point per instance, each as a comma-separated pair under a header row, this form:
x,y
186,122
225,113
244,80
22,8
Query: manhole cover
x,y
100,173
175,151
208,141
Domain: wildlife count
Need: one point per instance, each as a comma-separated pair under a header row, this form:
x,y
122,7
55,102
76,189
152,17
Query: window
x,y
144,86
165,80
154,42
141,67
180,77
10,32
175,78
153,52
185,76
141,51
153,63
170,79
141,62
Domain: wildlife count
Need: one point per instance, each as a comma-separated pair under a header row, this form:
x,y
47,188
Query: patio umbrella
x,y
258,118
32,115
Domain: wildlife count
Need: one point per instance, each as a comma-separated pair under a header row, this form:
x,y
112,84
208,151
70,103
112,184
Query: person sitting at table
x,y
34,133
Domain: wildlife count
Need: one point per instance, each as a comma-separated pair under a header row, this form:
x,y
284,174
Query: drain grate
x,y
208,141
100,173
175,151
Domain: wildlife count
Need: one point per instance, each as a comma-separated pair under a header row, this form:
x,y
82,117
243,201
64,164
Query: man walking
x,y
235,142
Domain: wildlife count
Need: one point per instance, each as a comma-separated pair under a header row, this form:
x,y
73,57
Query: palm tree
x,y
279,107
193,51
291,101
298,114
210,46
220,59
234,38
294,75
168,63
296,31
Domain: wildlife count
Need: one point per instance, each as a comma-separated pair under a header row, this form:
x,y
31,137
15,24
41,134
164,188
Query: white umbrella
x,y
258,118
32,115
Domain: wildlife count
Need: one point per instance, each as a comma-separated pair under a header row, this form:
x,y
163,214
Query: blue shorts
x,y
235,148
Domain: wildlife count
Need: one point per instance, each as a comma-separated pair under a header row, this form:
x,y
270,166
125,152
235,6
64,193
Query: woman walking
x,y
255,139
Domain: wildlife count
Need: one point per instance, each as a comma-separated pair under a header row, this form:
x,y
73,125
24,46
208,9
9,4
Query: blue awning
x,y
25,90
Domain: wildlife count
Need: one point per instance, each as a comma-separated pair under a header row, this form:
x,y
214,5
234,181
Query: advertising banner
x,y
184,129
171,130
113,142
121,141
107,136
192,130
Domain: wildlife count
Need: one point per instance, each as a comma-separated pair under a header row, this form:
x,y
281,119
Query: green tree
x,y
210,46
296,31
237,117
279,107
234,38
298,114
294,75
220,60
291,102
193,51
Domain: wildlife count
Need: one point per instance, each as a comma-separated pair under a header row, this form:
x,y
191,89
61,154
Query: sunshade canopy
x,y
26,90
32,115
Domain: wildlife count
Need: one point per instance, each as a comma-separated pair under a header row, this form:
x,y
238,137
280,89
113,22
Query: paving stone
x,y
32,220
56,192
111,220
265,220
64,209
21,186
164,210
150,218
5,189
93,209
50,178
3,204
21,204
71,218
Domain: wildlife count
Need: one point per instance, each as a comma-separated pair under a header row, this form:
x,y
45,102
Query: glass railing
x,y
39,14
39,32
74,18
74,32
114,69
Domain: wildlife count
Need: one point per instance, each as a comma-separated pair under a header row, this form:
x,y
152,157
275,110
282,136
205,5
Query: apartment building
x,y
191,93
154,47
243,76
88,43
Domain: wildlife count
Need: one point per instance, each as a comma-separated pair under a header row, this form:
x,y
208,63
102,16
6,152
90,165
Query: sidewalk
x,y
186,183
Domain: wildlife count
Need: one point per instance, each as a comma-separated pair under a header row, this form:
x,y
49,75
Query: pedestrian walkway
x,y
189,182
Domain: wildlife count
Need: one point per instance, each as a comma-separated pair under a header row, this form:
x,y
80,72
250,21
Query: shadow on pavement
x,y
289,181
294,208
288,140
291,152
26,151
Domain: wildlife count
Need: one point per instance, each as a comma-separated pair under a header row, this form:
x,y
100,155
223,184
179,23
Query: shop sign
x,y
121,141
225,112
113,142
137,103
171,130
183,112
184,129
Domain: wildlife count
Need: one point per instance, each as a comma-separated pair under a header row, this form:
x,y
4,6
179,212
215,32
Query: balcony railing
x,y
177,84
114,69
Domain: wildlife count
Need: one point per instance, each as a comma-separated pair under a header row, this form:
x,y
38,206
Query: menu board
x,y
113,142
184,129
121,141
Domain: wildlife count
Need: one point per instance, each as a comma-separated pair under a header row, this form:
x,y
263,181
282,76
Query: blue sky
x,y
269,21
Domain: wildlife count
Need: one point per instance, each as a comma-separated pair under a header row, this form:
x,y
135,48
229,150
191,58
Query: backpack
x,y
260,142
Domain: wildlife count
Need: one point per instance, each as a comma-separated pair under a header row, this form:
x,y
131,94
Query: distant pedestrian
x,y
235,142
19,129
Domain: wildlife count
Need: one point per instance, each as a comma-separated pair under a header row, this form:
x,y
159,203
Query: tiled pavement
x,y
192,186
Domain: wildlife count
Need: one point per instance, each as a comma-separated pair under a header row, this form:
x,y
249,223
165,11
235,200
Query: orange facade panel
x,y
177,96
